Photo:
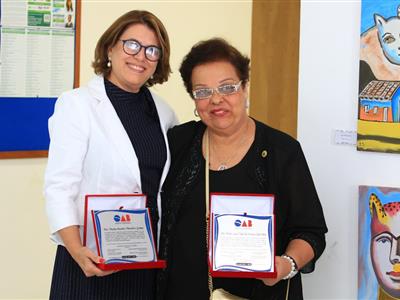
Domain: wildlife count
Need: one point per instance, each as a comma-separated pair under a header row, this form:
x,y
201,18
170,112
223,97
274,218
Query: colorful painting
x,y
379,243
378,125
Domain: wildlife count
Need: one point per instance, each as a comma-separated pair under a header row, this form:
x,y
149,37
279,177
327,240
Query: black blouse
x,y
189,246
138,115
275,164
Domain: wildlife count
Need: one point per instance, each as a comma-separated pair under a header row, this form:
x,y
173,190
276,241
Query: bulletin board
x,y
39,59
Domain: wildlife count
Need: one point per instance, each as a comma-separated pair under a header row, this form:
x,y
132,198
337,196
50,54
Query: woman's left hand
x,y
300,250
283,268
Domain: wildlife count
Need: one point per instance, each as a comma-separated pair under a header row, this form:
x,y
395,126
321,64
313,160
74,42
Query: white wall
x,y
25,250
328,94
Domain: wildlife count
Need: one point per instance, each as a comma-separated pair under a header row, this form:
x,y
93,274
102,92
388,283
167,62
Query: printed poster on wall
x,y
379,243
378,125
37,47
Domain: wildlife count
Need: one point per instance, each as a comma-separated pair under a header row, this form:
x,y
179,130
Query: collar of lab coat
x,y
113,127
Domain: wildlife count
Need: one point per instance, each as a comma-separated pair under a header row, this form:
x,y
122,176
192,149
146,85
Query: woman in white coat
x,y
108,138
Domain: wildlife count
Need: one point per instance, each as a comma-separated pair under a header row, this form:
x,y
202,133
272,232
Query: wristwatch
x,y
294,269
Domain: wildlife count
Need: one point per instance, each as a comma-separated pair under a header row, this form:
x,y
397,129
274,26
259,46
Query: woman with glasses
x,y
245,156
109,137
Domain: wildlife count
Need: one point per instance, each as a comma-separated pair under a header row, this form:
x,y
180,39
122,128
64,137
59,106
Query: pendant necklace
x,y
224,164
222,167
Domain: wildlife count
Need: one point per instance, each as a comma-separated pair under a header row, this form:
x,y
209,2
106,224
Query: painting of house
x,y
379,101
378,124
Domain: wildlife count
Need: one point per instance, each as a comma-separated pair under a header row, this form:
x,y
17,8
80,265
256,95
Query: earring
x,y
109,63
196,114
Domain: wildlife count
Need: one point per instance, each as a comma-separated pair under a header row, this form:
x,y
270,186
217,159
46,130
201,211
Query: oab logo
x,y
122,218
239,223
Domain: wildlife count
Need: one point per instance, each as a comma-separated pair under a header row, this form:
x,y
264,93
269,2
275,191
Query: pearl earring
x,y
109,63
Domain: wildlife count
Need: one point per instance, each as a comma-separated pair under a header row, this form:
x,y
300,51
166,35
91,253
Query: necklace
x,y
222,167
224,163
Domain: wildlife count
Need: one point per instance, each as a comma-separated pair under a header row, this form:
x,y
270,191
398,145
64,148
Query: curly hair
x,y
213,50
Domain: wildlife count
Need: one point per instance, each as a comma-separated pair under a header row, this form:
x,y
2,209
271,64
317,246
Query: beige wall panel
x,y
26,251
274,68
187,22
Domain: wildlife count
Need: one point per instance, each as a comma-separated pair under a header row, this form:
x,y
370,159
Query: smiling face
x,y
131,72
223,114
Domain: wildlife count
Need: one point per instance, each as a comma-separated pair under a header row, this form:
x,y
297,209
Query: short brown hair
x,y
111,36
213,50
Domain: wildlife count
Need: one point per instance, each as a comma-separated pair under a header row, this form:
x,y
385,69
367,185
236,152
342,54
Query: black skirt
x,y
69,282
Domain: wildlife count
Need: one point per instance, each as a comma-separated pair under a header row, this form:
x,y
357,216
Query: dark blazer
x,y
278,166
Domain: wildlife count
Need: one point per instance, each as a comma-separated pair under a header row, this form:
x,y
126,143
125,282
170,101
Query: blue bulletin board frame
x,y
24,120
23,123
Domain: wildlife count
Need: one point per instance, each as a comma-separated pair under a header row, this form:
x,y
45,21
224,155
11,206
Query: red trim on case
x,y
240,274
159,264
95,234
234,274
85,220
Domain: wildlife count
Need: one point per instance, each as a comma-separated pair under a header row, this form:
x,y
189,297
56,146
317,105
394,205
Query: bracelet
x,y
294,269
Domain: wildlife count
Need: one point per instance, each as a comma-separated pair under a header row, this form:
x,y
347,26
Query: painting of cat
x,y
389,36
378,126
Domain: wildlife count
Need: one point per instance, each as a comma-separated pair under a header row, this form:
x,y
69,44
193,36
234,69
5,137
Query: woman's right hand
x,y
83,256
87,260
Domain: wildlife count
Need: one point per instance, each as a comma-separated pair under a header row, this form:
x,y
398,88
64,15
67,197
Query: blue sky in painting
x,y
385,8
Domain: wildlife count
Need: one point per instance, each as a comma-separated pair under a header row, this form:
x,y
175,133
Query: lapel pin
x,y
264,153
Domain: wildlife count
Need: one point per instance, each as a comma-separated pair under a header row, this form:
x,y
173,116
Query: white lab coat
x,y
91,153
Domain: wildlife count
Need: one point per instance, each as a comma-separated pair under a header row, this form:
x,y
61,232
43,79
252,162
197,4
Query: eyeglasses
x,y
223,90
133,47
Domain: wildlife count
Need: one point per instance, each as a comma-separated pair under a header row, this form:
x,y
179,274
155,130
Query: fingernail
x,y
102,260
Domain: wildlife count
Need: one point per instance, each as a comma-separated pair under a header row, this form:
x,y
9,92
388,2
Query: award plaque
x,y
118,228
242,235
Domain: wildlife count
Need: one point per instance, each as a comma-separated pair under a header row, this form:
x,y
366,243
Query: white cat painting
x,y
389,36
380,47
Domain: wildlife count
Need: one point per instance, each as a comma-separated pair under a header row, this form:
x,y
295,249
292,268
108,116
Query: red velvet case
x,y
157,264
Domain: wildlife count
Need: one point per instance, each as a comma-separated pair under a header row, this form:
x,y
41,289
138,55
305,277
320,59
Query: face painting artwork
x,y
379,243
